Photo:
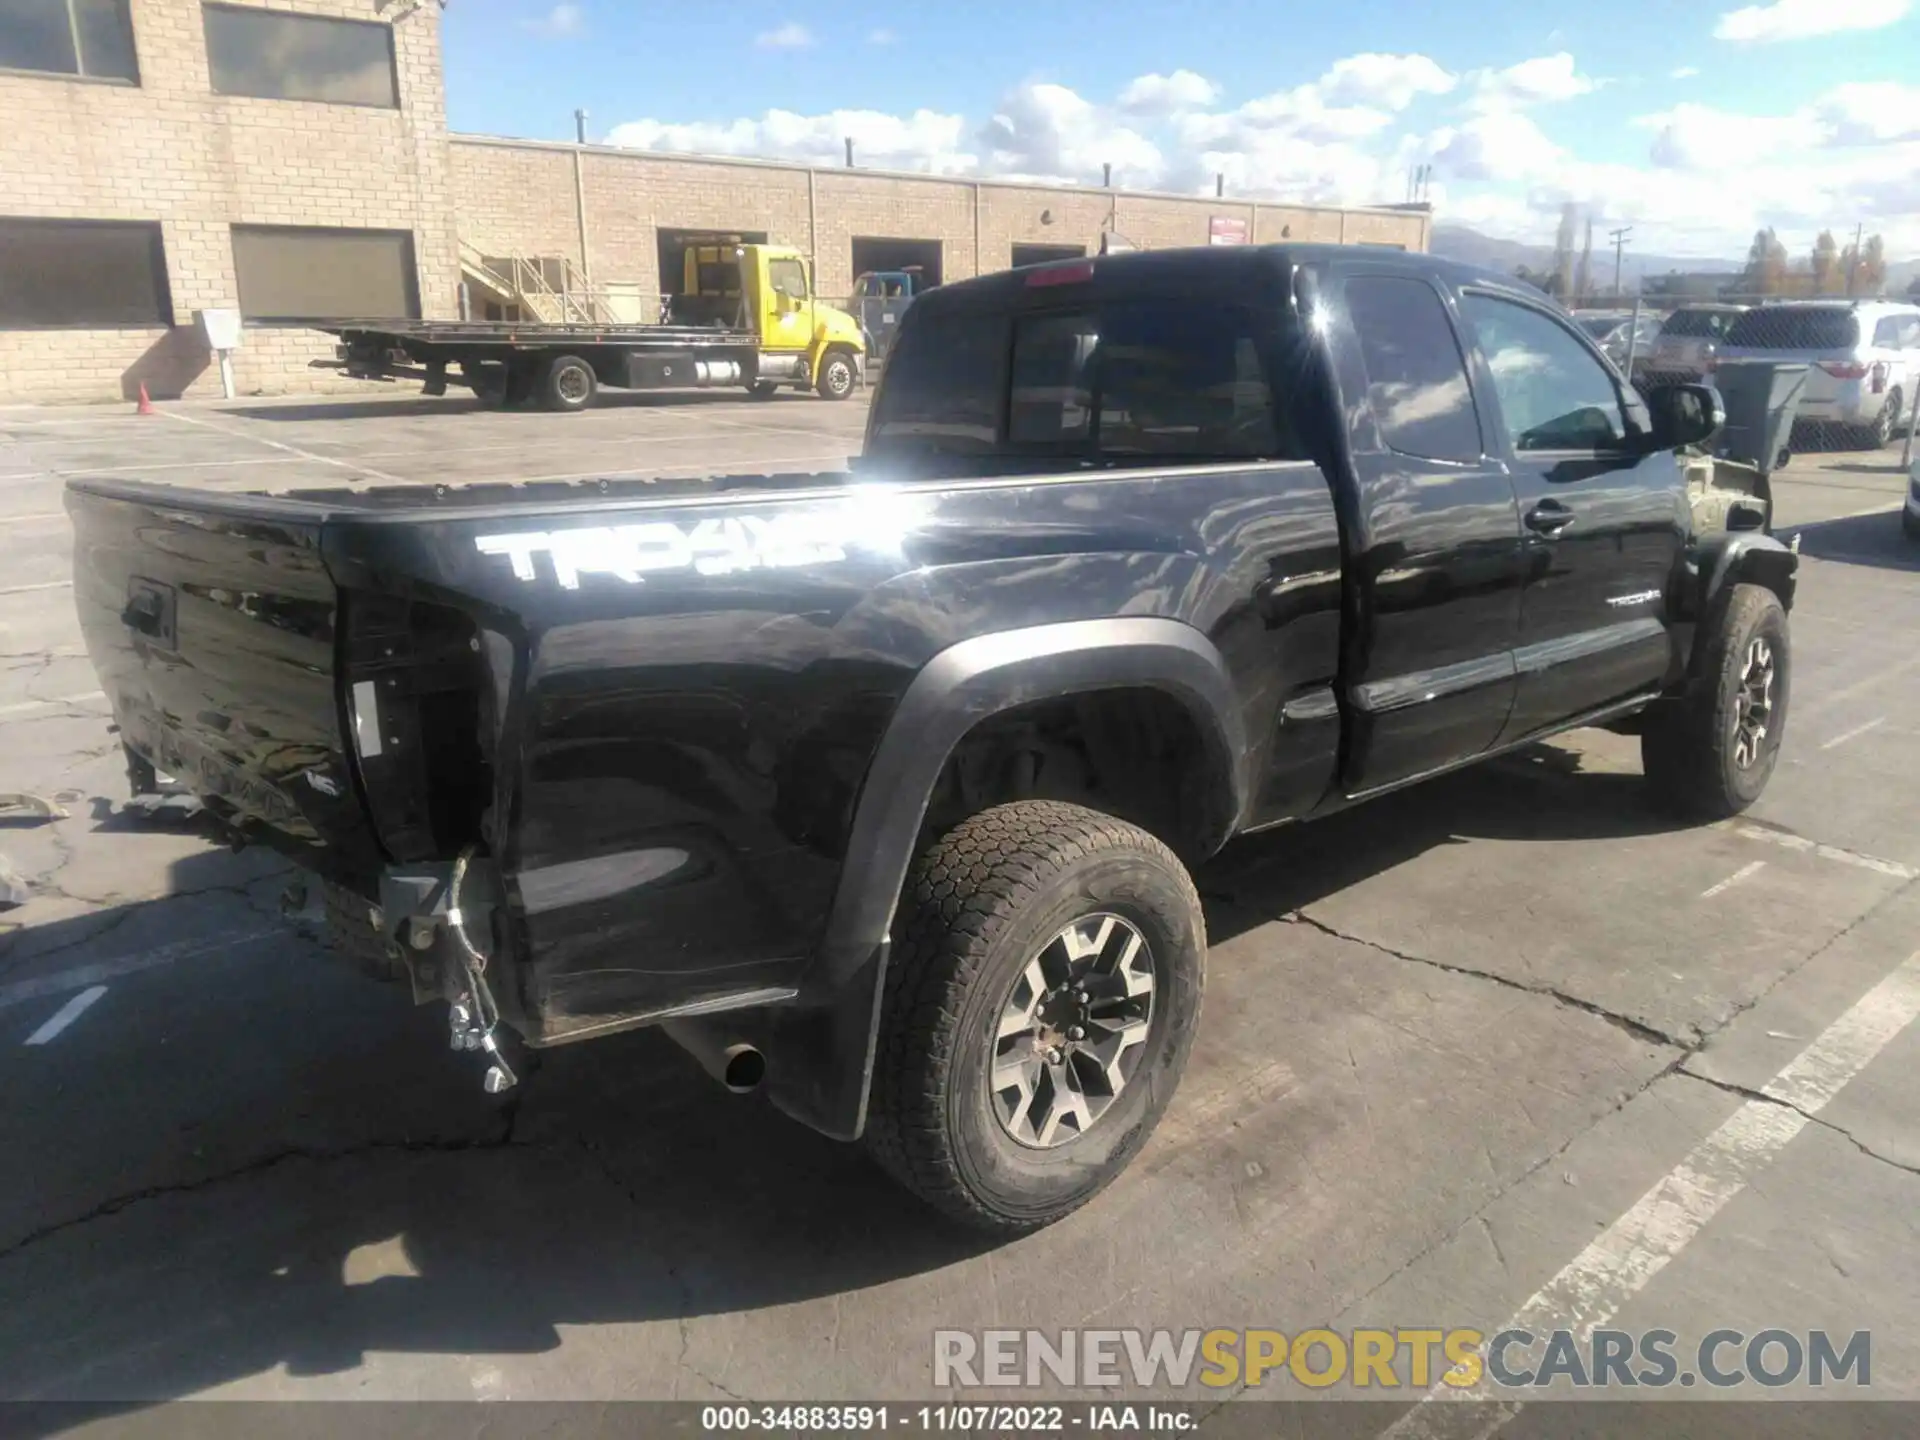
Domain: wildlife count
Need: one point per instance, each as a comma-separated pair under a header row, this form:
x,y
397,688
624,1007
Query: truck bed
x,y
513,335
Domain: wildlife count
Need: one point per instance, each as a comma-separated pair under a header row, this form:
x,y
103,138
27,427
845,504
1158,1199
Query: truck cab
x,y
769,290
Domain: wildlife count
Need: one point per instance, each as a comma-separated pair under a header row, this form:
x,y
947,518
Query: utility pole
x,y
849,152
1853,256
1619,238
580,126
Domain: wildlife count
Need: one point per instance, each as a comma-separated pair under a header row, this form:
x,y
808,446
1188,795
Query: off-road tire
x,y
1688,745
837,379
978,905
352,938
568,383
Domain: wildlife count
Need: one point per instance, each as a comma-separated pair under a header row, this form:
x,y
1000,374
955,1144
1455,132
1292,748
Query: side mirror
x,y
1684,415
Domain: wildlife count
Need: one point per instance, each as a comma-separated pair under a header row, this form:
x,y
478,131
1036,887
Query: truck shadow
x,y
268,1165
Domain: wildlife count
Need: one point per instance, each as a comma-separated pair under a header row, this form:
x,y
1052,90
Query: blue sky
x,y
1797,114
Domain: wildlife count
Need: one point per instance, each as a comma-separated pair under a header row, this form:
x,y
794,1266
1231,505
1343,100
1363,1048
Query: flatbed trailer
x,y
564,366
759,326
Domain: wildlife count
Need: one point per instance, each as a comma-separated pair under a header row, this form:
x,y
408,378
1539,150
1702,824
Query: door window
x,y
788,277
1553,393
1416,378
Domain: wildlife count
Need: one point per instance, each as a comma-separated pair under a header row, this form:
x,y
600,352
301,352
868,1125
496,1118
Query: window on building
x,y
68,37
83,273
277,56
1416,378
297,274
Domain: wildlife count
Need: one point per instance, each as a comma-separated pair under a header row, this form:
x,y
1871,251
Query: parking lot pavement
x,y
1454,1042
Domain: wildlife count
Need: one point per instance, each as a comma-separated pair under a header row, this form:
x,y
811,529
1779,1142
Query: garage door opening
x,y
673,247
874,254
1041,254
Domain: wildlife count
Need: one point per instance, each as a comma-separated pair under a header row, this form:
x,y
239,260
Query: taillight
x,y
1844,369
1075,273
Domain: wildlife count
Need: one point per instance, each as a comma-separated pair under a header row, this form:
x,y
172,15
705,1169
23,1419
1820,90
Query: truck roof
x,y
1209,268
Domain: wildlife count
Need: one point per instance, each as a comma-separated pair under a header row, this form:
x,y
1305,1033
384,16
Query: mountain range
x,y
1460,242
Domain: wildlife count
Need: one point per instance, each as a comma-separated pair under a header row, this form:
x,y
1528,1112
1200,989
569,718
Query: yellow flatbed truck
x,y
749,319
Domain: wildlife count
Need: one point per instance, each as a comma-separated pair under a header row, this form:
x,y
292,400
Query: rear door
x,y
1436,559
1603,522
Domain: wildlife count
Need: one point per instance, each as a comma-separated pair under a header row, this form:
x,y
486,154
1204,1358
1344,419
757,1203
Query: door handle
x,y
1549,518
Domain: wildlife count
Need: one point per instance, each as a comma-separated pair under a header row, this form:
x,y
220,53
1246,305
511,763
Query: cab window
x,y
1553,393
788,277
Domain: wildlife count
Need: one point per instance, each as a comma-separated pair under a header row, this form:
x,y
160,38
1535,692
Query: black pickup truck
x,y
881,789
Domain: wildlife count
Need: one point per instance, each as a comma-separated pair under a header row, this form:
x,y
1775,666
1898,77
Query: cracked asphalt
x,y
1450,1038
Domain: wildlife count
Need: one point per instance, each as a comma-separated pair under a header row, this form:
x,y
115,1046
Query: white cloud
x,y
1168,94
925,140
1494,147
559,22
790,36
1803,19
1684,72
1047,132
1545,80
1868,112
882,36
1392,81
1704,180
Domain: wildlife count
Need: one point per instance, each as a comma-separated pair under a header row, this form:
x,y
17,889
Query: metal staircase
x,y
530,284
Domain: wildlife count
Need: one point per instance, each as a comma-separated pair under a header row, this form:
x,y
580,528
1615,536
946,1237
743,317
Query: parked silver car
x,y
1864,357
1688,344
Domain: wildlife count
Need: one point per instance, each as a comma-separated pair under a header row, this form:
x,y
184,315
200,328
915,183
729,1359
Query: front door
x,y
1604,520
1436,567
786,306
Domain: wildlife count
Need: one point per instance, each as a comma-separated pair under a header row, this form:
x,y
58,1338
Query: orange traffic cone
x,y
145,407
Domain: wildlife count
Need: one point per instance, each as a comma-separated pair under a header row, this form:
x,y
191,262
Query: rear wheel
x,y
1879,434
1910,523
568,383
836,378
1709,754
1041,1000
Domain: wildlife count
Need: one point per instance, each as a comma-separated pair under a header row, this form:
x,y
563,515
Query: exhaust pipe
x,y
734,1063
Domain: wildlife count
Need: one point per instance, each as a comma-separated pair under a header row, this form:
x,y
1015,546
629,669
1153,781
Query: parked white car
x,y
1864,354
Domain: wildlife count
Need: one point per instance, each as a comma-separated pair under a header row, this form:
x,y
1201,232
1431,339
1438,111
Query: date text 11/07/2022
x,y
1087,1419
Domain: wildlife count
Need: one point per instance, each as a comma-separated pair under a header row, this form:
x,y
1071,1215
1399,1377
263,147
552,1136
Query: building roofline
x,y
567,147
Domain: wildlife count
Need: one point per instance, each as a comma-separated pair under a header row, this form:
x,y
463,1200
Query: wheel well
x,y
1137,754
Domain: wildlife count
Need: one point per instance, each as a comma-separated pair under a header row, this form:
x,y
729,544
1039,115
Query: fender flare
x,y
1713,568
1743,557
820,1049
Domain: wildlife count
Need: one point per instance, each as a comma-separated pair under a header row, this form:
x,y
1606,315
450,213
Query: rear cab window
x,y
1795,327
1698,324
1128,379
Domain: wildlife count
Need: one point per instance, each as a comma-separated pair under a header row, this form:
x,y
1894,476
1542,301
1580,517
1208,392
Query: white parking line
x,y
1745,872
1591,1288
282,447
1856,732
28,589
1825,852
80,976
66,1015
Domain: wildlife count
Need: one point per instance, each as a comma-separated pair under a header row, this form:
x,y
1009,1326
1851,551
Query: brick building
x,y
290,158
